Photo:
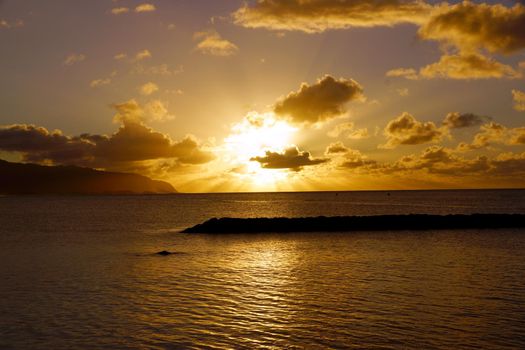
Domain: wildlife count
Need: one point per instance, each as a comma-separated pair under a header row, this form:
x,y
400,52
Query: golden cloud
x,y
132,111
211,43
519,100
320,102
340,129
406,130
470,26
119,10
315,16
142,55
149,88
74,58
468,66
336,148
494,133
408,73
145,8
471,65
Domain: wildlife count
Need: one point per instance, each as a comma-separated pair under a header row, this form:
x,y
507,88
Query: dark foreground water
x,y
80,273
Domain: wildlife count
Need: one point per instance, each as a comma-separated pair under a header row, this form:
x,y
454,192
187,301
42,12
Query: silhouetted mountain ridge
x,y
20,178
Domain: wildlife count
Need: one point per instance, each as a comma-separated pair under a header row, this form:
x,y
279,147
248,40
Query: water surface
x,y
79,272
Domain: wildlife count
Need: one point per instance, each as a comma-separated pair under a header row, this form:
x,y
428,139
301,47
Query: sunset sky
x,y
267,95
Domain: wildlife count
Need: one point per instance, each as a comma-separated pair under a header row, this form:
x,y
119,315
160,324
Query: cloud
x,y
408,73
348,129
132,111
161,69
353,159
336,148
320,102
517,136
462,66
39,144
157,112
145,8
350,158
120,56
359,134
509,164
136,142
211,43
339,129
440,160
470,26
468,66
434,160
103,81
133,142
10,25
467,31
142,55
74,58
315,16
457,120
403,92
100,82
119,10
519,100
291,158
406,130
149,88
493,133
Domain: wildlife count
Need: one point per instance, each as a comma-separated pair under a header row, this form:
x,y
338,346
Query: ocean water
x,y
81,273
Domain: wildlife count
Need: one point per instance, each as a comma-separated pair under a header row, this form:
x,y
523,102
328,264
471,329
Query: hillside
x,y
18,178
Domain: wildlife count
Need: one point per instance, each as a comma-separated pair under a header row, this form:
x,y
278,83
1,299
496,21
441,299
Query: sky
x,y
269,95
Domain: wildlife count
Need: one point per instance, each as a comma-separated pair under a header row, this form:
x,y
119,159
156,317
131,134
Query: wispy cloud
x,y
74,58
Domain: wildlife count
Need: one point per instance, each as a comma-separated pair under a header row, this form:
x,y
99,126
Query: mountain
x,y
18,178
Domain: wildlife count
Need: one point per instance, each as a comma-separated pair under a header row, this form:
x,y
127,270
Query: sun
x,y
252,137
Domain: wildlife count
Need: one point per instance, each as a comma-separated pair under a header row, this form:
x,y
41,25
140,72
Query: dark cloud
x,y
322,101
39,144
457,120
314,16
406,130
291,158
133,142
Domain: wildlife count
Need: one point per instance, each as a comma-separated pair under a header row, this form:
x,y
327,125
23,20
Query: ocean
x,y
82,273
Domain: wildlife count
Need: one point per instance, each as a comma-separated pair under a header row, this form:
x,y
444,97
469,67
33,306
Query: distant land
x,y
19,178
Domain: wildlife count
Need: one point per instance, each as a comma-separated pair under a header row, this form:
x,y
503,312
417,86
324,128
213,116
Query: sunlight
x,y
252,137
258,133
